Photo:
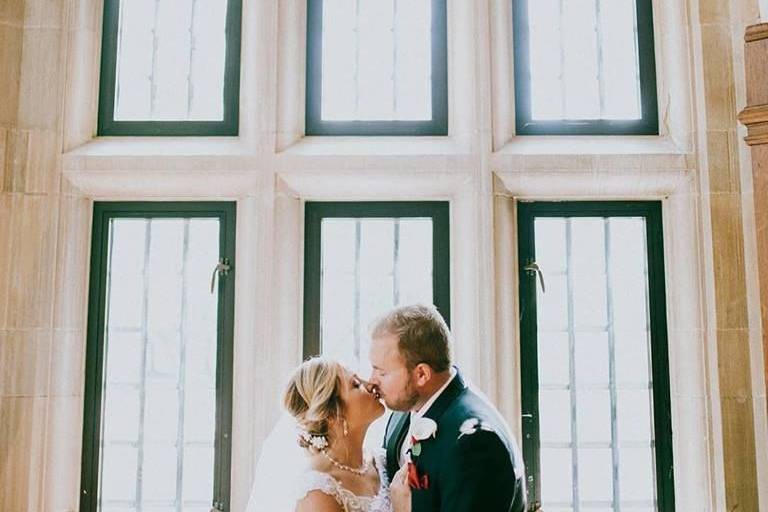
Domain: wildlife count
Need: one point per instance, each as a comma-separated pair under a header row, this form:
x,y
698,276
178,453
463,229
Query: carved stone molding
x,y
755,118
756,32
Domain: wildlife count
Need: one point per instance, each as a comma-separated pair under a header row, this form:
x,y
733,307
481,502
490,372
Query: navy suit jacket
x,y
476,469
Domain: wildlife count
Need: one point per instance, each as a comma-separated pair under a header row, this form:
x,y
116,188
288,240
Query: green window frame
x,y
316,125
315,212
108,125
103,214
651,212
648,124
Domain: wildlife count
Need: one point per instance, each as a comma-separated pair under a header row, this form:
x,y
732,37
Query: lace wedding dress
x,y
282,477
349,502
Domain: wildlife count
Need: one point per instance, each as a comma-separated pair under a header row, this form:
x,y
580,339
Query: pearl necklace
x,y
359,471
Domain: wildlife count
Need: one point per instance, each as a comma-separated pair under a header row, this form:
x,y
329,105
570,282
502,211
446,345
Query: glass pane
x,y
554,417
595,477
584,59
556,472
376,61
170,60
595,395
160,373
368,266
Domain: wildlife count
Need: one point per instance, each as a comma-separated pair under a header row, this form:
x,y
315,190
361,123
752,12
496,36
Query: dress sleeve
x,y
316,481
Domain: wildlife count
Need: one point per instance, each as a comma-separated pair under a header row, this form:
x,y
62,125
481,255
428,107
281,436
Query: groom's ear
x,y
422,373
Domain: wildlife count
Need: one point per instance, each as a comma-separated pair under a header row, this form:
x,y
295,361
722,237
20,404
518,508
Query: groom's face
x,y
391,375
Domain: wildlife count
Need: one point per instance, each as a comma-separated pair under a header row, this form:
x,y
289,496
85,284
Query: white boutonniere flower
x,y
472,425
423,428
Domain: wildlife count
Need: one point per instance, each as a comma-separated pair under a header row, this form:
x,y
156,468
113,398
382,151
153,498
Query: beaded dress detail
x,y
350,502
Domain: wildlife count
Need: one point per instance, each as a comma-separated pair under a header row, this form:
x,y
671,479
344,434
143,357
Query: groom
x,y
460,454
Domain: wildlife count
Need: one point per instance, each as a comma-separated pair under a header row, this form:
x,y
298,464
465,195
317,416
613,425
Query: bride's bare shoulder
x,y
318,501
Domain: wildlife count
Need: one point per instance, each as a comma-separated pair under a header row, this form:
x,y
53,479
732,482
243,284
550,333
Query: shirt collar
x,y
424,408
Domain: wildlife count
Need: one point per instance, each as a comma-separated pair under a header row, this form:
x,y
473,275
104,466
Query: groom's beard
x,y
407,401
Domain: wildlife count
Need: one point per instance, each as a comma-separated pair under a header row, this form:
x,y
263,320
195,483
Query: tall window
x,y
362,259
584,67
376,67
595,384
170,68
157,422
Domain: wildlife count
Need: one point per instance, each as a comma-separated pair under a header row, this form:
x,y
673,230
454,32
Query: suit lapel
x,y
395,442
446,398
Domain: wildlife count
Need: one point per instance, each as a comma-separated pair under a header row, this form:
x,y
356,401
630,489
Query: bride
x,y
314,461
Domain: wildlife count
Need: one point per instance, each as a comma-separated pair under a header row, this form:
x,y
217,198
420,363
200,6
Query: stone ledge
x,y
756,32
755,118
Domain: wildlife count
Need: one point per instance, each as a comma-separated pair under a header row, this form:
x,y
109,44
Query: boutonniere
x,y
421,429
471,426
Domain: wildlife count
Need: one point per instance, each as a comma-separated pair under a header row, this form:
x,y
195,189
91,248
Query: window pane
x,y
369,266
584,60
376,60
157,439
595,391
170,60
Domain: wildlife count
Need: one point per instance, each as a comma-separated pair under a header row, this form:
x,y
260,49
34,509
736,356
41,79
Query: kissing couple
x,y
446,447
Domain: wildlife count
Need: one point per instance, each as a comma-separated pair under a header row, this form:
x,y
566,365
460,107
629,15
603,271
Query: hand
x,y
400,491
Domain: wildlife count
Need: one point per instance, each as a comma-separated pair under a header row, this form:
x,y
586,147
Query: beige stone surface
x,y
718,77
31,270
61,483
72,263
44,13
67,372
728,249
12,12
723,157
739,453
41,77
24,363
22,437
10,64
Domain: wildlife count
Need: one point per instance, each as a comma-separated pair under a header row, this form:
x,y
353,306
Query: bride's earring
x,y
346,428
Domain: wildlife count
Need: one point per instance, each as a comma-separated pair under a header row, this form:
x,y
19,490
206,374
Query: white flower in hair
x,y
317,442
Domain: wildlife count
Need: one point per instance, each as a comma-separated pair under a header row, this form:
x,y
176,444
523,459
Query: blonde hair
x,y
423,336
313,397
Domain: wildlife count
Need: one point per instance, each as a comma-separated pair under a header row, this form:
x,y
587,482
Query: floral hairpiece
x,y
319,443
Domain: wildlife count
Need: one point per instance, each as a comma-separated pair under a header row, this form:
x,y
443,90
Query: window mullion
x,y
600,60
572,366
612,366
155,50
356,79
561,9
192,53
143,366
181,379
395,42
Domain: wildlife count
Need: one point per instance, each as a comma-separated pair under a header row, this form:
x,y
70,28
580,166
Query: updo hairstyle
x,y
313,397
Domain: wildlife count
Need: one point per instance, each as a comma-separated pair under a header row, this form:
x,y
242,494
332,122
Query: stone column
x,y
42,268
722,196
755,118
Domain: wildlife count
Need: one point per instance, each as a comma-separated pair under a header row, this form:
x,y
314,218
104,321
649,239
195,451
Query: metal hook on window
x,y
533,269
222,268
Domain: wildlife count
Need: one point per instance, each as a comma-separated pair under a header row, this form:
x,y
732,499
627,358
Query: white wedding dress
x,y
283,477
317,481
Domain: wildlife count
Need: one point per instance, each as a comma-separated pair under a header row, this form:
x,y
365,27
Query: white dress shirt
x,y
418,414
